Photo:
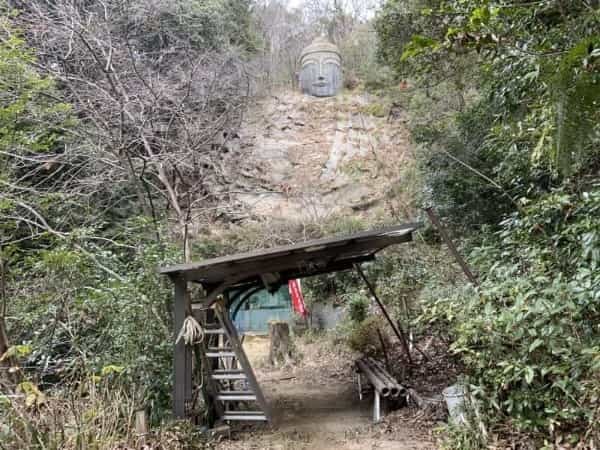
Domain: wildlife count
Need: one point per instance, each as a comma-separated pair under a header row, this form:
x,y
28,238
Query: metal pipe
x,y
392,382
376,408
394,391
395,387
377,383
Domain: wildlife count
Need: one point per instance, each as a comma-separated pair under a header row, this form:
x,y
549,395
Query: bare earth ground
x,y
316,406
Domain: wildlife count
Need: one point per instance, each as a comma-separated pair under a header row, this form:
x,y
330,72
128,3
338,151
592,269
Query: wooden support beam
x,y
397,329
213,409
236,344
446,238
182,358
245,283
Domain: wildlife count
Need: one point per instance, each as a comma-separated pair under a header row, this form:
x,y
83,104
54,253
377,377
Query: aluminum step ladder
x,y
233,381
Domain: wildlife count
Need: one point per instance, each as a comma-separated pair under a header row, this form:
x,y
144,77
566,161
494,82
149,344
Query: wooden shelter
x,y
244,273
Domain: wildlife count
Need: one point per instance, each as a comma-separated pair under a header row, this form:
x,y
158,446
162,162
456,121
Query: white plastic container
x,y
455,401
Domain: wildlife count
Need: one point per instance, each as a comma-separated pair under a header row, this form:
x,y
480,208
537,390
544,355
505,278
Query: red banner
x,y
297,298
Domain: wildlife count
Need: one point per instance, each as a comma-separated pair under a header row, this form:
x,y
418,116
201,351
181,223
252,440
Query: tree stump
x,y
280,352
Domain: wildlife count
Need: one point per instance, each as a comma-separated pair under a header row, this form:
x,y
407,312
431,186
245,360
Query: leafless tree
x,y
285,33
154,111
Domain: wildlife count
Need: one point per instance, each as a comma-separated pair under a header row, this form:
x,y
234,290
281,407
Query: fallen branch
x,y
277,379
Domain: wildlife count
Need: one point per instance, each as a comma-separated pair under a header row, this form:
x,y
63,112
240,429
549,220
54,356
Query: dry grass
x,y
94,415
91,416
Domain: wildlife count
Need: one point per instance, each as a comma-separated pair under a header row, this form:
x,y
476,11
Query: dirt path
x,y
316,406
307,158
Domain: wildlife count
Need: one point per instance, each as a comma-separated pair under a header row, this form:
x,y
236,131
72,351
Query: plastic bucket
x,y
455,401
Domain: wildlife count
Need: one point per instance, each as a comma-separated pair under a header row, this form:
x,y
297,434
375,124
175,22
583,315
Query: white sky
x,y
369,5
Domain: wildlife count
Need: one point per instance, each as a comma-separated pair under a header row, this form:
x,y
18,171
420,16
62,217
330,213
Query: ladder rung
x,y
229,375
220,349
220,354
244,415
214,331
236,396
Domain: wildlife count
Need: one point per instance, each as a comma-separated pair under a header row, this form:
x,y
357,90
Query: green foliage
x,y
80,320
450,152
395,25
375,109
516,159
358,49
16,351
364,337
212,25
463,436
577,96
379,80
358,308
535,122
530,336
412,38
419,45
31,120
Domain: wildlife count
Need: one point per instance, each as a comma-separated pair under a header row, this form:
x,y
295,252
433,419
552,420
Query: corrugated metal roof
x,y
293,261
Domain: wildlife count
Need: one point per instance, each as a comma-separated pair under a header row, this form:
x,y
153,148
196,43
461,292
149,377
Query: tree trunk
x,y
3,338
5,375
3,301
280,352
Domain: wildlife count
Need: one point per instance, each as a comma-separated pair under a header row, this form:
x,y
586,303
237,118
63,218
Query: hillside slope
x,y
307,159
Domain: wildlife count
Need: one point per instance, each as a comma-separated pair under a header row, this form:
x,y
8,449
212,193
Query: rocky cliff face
x,y
306,159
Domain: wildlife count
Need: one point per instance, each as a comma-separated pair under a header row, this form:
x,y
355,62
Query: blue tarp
x,y
254,315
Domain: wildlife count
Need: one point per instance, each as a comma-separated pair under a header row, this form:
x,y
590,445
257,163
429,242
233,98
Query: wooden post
x,y
3,302
397,329
182,358
446,238
280,350
141,426
15,377
383,349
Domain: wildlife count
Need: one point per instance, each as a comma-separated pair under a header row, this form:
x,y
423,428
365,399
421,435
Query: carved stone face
x,y
321,71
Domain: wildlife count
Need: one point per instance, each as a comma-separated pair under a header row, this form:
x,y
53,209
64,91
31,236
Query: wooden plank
x,y
242,358
402,233
244,278
301,262
182,357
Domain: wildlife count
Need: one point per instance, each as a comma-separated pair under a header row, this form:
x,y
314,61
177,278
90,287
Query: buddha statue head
x,y
320,69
